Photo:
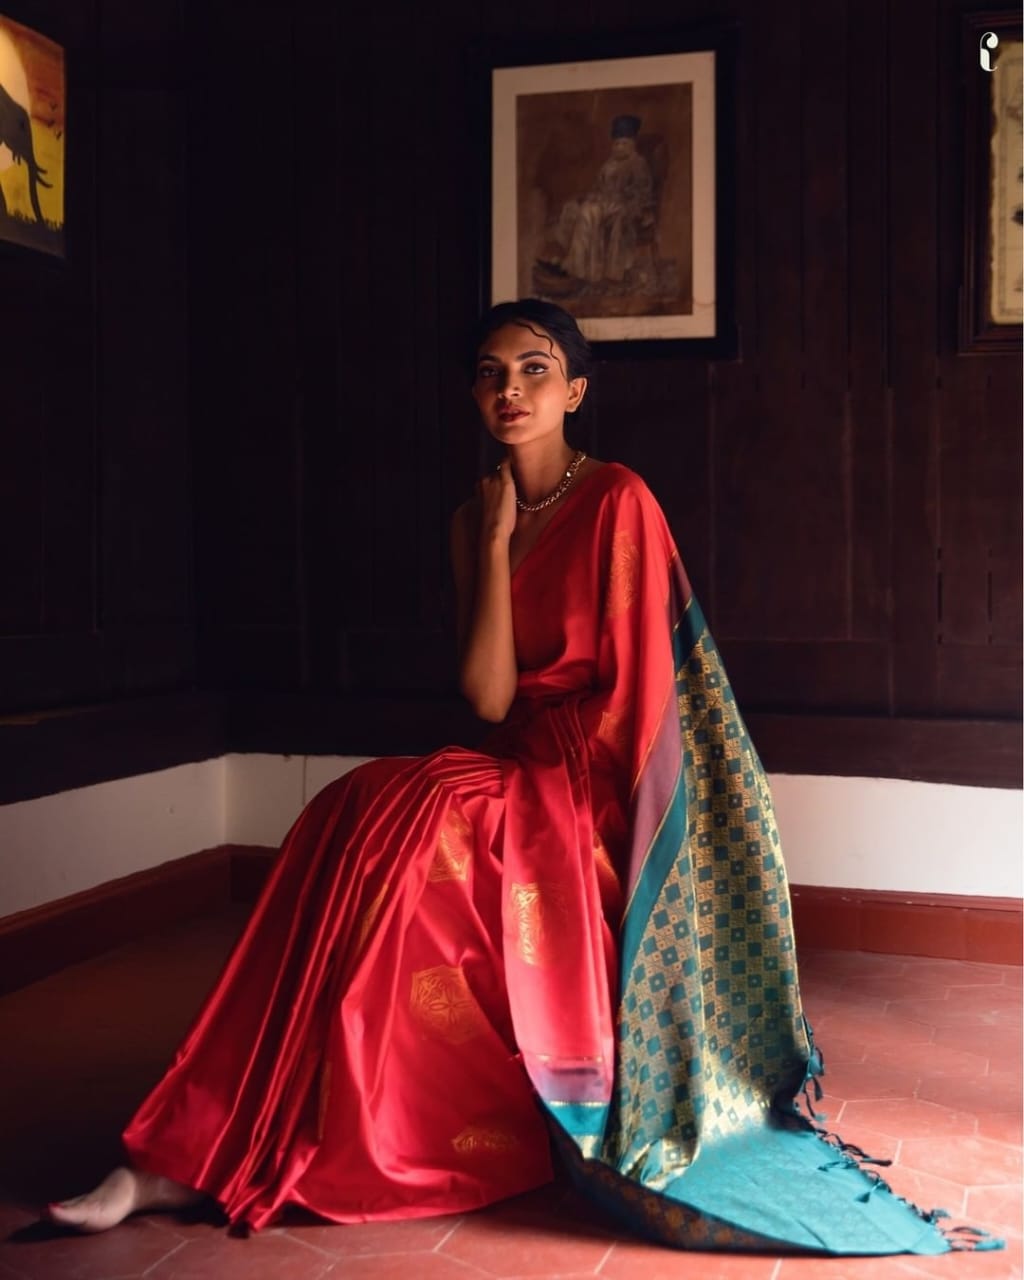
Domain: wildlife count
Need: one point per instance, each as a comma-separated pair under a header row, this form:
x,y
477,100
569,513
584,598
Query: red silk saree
x,y
582,930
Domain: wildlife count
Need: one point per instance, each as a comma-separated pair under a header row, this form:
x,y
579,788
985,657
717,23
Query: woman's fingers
x,y
498,501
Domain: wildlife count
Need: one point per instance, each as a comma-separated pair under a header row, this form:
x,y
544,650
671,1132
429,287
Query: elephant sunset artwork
x,y
32,136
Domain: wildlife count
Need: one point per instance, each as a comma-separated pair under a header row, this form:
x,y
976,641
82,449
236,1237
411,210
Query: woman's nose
x,y
508,384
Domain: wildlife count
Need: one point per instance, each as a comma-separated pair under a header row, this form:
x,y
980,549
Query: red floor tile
x,y
957,1145
1001,1126
515,1245
1001,1205
871,1032
839,1047
650,1262
417,1235
996,1043
817,962
996,1091
131,1250
928,1060
1004,994
1001,1264
969,1161
223,1257
850,1081
892,1268
903,1118
926,1190
986,1011
409,1266
888,987
962,973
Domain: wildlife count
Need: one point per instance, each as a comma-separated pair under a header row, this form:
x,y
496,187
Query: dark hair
x,y
535,313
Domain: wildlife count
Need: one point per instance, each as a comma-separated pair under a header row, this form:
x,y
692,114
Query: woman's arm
x,y
480,557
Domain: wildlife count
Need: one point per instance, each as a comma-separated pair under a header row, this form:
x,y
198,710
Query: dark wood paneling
x,y
911,299
97,597
976,753
45,752
770,674
252,476
971,752
978,679
866,423
246,399
349,724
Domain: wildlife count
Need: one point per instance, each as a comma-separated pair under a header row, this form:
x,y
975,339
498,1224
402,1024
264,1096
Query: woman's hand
x,y
498,504
488,674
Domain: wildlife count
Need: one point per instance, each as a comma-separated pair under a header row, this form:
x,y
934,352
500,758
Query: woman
x,y
582,929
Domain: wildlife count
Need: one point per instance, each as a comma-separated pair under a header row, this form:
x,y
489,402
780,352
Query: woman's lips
x,y
510,415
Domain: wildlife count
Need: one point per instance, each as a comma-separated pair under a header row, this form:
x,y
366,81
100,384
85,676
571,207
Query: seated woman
x,y
580,932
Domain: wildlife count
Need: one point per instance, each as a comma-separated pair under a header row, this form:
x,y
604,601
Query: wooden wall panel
x,y
21,601
97,597
809,482
265,424
967,461
868,409
911,299
245,399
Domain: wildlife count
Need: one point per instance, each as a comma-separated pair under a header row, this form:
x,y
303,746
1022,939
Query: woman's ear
x,y
577,390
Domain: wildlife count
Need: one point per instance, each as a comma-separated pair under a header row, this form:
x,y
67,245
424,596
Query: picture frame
x,y
992,285
609,188
33,112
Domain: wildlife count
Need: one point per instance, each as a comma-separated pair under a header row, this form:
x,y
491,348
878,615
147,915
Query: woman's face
x,y
522,388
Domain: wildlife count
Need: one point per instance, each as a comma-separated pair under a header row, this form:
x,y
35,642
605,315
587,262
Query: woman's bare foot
x,y
120,1193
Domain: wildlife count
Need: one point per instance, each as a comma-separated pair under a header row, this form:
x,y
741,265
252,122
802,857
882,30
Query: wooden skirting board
x,y
44,939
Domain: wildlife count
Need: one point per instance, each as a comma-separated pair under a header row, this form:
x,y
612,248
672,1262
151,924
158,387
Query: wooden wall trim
x,y
340,724
976,753
947,926
47,938
45,752
44,939
982,753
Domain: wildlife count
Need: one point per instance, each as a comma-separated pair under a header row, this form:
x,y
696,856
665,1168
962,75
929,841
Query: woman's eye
x,y
535,368
486,371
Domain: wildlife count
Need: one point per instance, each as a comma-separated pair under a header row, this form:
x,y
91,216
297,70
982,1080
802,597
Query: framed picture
x,y
32,137
992,289
605,193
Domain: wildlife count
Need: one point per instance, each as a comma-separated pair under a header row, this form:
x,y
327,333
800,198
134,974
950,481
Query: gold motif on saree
x,y
477,1139
370,915
454,849
541,912
614,731
623,581
443,1004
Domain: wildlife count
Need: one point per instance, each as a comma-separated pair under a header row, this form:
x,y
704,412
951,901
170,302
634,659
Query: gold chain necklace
x,y
555,494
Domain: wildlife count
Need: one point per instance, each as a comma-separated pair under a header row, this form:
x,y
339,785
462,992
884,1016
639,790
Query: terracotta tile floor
x,y
924,1067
